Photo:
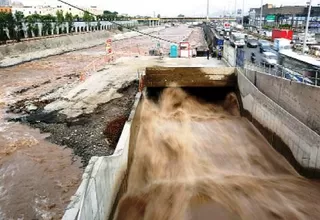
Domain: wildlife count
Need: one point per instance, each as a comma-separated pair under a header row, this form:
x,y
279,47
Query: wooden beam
x,y
189,77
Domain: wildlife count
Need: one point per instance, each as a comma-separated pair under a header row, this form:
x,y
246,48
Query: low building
x,y
5,9
295,16
52,10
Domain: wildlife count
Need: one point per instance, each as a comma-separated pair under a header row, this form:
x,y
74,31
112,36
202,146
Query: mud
x,y
94,134
196,159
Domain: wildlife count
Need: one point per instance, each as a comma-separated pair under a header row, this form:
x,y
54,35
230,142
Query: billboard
x,y
271,18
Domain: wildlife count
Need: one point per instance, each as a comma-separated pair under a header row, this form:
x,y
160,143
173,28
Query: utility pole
x,y
261,14
242,12
207,10
306,30
235,9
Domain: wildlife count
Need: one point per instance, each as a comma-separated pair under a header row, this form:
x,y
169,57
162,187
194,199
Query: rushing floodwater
x,y
195,160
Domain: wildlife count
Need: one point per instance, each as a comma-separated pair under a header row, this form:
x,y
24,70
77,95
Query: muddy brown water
x,y
198,160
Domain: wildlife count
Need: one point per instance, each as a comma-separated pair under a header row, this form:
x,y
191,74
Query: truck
x,y
281,44
282,33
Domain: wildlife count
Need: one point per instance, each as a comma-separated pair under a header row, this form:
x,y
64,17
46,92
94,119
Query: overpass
x,y
181,19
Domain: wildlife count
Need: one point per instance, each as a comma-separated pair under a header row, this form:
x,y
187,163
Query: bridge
x,y
183,19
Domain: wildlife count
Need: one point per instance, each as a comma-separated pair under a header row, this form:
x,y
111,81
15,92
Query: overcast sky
x,y
172,7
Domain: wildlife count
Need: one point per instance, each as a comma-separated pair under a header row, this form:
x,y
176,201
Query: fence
x,y
280,71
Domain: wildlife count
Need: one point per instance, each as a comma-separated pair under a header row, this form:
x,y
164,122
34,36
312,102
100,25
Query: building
x,y
294,16
52,9
6,9
5,3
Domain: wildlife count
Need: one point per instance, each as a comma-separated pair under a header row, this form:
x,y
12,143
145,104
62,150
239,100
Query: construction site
x,y
129,125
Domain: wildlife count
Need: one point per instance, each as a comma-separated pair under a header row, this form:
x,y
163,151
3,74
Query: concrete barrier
x,y
102,179
229,54
300,100
27,51
289,136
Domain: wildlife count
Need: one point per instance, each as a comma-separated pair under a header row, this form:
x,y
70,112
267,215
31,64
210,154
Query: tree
x,y
246,19
31,24
11,25
47,23
158,16
60,20
87,18
69,19
180,16
76,18
3,27
19,19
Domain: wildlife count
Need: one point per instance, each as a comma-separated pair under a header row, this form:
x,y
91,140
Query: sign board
x,y
108,46
240,57
271,18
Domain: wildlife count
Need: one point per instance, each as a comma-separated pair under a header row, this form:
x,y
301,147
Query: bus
x,y
298,67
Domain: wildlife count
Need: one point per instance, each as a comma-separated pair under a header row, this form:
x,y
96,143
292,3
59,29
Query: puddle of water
x,y
37,178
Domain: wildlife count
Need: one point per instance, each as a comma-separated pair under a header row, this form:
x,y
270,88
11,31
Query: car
x,y
264,45
269,58
252,43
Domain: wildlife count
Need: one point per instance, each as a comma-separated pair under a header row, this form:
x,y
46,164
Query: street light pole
x,y
242,12
235,9
261,14
306,29
207,10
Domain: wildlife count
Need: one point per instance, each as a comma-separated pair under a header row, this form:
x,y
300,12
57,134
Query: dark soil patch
x,y
94,134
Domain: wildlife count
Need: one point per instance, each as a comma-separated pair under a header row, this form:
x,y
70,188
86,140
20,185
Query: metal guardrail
x,y
280,71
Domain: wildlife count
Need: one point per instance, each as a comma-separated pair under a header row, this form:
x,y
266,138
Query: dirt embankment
x,y
94,134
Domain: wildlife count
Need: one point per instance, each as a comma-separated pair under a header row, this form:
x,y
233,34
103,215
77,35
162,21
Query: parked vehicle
x,y
252,43
269,58
281,44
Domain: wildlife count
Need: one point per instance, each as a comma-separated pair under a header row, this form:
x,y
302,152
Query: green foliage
x,y
110,16
180,16
69,19
285,26
60,17
87,17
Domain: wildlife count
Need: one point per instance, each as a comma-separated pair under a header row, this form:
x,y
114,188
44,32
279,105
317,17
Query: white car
x,y
269,58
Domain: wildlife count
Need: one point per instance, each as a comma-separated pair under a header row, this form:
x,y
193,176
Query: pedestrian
x,y
208,53
219,54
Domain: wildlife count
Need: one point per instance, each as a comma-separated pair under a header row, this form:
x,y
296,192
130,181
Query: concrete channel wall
x,y
300,100
26,51
289,136
102,179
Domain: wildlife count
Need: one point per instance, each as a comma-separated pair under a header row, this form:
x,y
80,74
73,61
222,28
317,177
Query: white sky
x,y
172,7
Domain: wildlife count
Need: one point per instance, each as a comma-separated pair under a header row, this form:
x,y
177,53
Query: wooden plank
x,y
189,77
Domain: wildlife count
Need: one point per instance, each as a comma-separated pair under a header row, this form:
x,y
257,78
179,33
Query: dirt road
x,y
39,172
196,159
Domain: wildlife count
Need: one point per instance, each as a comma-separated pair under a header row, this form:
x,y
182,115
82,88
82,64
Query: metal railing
x,y
280,71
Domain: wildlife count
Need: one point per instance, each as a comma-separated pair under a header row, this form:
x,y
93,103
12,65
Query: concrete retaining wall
x,y
102,179
229,54
26,51
300,100
281,129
